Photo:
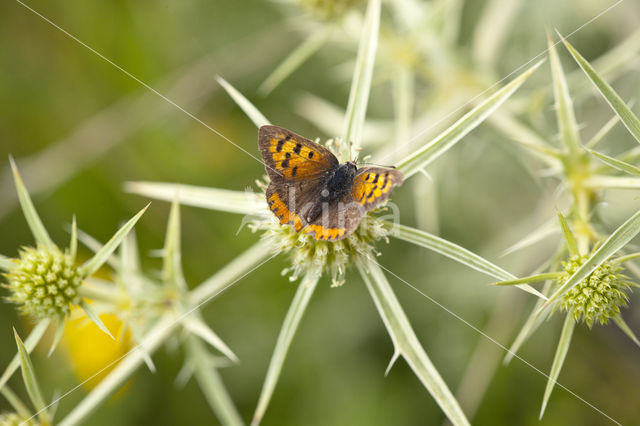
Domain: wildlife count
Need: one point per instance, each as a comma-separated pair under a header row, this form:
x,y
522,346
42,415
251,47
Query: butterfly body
x,y
310,190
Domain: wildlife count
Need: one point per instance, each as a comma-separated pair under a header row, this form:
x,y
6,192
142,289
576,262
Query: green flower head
x,y
44,282
598,297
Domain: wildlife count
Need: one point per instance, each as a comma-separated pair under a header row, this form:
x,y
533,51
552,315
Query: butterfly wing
x,y
288,199
373,185
291,157
337,221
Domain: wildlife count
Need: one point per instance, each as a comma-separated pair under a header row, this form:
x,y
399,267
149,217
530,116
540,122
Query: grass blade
x,y
455,252
532,279
558,360
98,259
362,75
564,106
292,320
202,330
572,243
615,242
31,382
28,209
615,163
212,386
95,318
405,341
294,60
200,196
120,373
443,142
626,329
252,112
628,118
172,274
30,343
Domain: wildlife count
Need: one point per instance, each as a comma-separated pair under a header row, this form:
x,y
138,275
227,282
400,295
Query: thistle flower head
x,y
329,9
598,297
44,282
306,253
13,419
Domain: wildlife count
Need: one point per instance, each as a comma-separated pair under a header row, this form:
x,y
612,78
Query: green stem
x,y
581,225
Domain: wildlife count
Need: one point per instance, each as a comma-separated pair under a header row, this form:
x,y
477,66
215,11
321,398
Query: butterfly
x,y
310,190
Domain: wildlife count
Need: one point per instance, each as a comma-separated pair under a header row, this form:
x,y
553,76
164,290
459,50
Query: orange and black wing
x,y
372,185
287,199
291,157
338,221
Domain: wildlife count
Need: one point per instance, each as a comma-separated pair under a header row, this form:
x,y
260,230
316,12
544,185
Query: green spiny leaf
x,y
612,182
362,75
572,243
532,279
95,318
455,252
30,343
558,360
202,330
211,385
252,112
57,337
447,139
288,330
615,163
405,341
172,274
626,329
564,107
93,264
30,380
625,258
199,196
30,214
628,118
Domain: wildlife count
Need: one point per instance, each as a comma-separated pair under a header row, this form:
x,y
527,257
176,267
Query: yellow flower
x,y
90,349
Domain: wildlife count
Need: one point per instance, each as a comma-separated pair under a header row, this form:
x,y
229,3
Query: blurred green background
x,y
79,128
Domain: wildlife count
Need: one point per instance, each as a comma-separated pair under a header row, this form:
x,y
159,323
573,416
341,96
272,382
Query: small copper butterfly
x,y
311,191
